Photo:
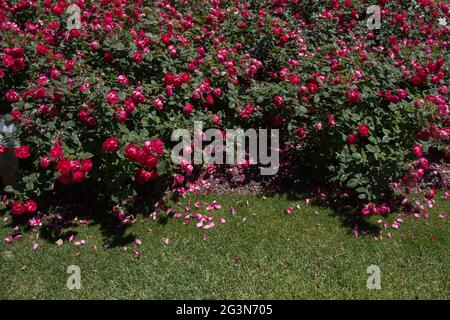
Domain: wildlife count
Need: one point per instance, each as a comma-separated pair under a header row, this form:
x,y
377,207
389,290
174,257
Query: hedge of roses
x,y
357,109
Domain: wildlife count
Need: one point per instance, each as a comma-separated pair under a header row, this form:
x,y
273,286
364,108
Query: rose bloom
x,y
178,179
18,208
3,149
22,152
431,194
294,79
78,176
123,79
278,101
169,78
56,152
7,60
149,161
130,151
137,96
185,77
45,162
363,130
86,165
12,96
158,147
352,138
301,132
111,144
187,109
353,96
417,150
64,166
130,106
423,162
30,206
112,97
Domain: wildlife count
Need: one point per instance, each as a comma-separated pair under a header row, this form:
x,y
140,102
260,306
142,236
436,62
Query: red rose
x,y
158,147
363,130
56,152
331,119
185,77
209,99
149,161
30,206
64,166
431,194
178,179
312,88
353,96
417,80
278,101
86,165
131,152
76,165
111,144
120,115
70,64
169,79
3,150
294,79
108,57
137,57
112,97
142,176
301,132
12,96
215,119
78,176
188,108
18,208
148,146
424,163
137,96
7,60
418,151
45,162
41,49
74,33
22,152
352,138
130,106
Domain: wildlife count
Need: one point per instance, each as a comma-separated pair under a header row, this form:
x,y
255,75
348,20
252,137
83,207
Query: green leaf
x,y
352,183
161,168
86,155
9,189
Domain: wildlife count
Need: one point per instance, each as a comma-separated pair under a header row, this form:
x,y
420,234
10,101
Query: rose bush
x,y
358,109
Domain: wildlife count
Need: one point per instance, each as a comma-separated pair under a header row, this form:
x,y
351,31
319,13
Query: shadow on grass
x,y
285,183
66,211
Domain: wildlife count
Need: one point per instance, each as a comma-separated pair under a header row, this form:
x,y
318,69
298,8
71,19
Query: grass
x,y
261,253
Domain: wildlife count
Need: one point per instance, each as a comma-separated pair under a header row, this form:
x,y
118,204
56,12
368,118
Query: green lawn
x,y
261,253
